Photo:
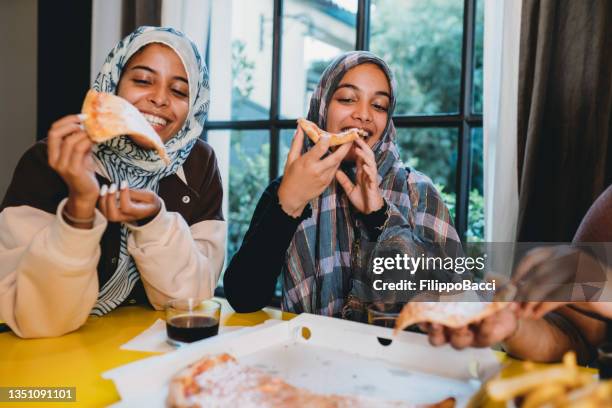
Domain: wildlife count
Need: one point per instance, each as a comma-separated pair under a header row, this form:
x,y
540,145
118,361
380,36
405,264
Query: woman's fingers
x,y
74,118
296,146
67,150
56,139
144,196
333,160
77,160
112,209
125,201
436,335
345,182
366,150
461,338
318,151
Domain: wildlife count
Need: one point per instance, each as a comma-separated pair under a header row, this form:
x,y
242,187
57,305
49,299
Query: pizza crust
x,y
221,381
449,314
107,116
335,139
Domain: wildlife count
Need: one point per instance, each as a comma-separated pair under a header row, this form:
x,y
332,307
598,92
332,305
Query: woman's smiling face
x,y
362,101
155,82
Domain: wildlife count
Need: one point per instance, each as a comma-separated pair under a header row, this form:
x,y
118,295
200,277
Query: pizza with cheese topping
x,y
107,116
221,381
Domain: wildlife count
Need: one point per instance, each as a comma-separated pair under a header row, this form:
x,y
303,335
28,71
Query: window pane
x,y
478,47
475,231
286,136
421,41
248,177
314,33
240,39
432,151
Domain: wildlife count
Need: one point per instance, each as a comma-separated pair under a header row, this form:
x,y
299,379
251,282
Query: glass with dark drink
x,y
189,320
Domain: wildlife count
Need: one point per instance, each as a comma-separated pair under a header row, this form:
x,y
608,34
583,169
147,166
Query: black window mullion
x,y
277,24
362,42
465,107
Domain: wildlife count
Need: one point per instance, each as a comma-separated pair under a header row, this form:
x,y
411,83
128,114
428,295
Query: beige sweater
x,y
48,275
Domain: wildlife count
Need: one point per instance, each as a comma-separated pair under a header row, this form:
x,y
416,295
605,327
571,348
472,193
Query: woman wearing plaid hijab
x,y
86,228
319,224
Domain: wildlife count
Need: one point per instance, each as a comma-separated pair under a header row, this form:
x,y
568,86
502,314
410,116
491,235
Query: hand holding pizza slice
x,y
449,314
107,116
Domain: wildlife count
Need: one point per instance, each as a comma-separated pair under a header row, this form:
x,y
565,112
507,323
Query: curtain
x,y
564,114
501,52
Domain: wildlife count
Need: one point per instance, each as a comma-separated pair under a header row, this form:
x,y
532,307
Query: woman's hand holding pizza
x,y
364,194
126,205
69,154
307,175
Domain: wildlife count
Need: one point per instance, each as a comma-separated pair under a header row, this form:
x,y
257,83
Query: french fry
x,y
547,393
561,385
503,389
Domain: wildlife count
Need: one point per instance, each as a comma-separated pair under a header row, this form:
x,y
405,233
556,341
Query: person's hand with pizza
x,y
500,326
307,175
69,154
364,194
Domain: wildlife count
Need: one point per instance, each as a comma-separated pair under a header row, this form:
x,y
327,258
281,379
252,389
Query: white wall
x,y
18,47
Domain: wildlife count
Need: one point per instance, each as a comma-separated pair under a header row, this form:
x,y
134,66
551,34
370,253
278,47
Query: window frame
x,y
464,121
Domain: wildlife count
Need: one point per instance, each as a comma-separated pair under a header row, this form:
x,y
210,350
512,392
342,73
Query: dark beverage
x,y
189,328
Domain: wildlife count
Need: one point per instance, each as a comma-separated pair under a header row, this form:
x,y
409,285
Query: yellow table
x,y
78,359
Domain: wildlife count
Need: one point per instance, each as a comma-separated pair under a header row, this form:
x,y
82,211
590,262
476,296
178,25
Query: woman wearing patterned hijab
x,y
86,228
318,225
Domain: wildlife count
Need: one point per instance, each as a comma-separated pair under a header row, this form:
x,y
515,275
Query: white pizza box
x,y
339,356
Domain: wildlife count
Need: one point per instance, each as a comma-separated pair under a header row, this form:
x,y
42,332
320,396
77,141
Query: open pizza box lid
x,y
339,357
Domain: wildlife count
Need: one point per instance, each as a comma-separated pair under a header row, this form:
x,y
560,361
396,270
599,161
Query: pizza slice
x,y
336,139
107,116
450,314
221,381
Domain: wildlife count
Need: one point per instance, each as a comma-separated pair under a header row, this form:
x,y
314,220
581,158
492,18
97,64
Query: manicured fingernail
x,y
103,190
123,185
82,116
325,136
112,189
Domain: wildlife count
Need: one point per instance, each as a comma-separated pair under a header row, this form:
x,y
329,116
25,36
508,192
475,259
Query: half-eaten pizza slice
x,y
335,139
221,381
107,116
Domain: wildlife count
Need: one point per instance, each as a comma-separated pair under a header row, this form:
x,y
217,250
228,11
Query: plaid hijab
x,y
324,263
124,160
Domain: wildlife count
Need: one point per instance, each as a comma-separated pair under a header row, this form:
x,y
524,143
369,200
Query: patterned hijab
x,y
122,159
325,261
